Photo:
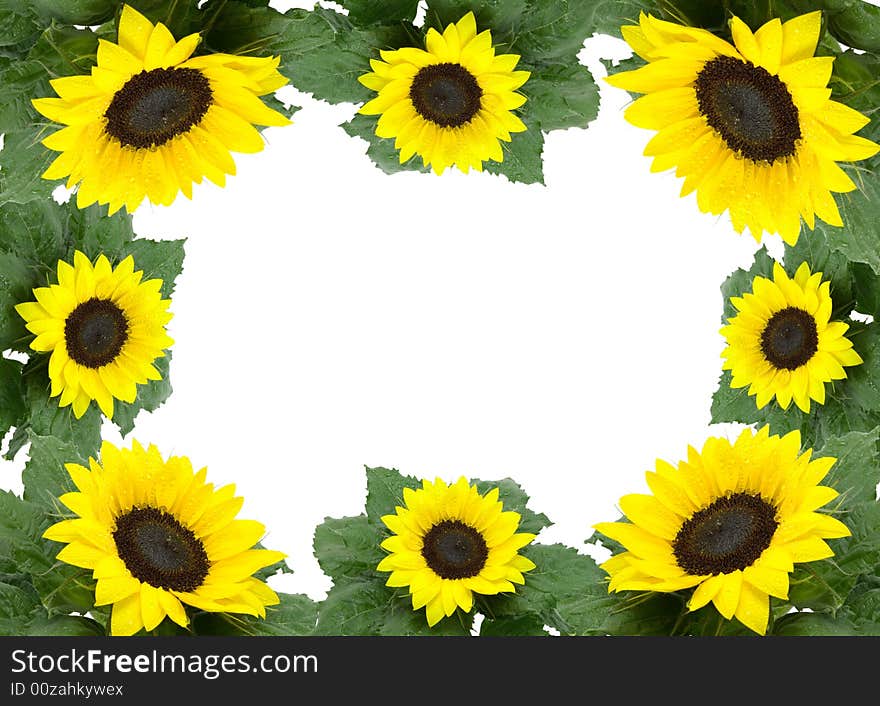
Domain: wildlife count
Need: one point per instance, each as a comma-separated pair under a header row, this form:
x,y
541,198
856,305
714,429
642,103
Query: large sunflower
x,y
451,103
782,343
150,119
156,536
750,126
731,521
450,542
104,328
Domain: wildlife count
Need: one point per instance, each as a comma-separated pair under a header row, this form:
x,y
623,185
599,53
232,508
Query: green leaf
x,y
44,475
369,608
46,418
562,97
93,232
19,28
814,250
62,588
367,12
76,12
20,81
322,51
385,492
182,17
295,615
862,607
22,160
515,499
856,472
866,289
512,626
382,151
149,397
740,281
65,51
63,626
502,17
554,30
812,625
824,585
855,23
11,395
522,156
348,548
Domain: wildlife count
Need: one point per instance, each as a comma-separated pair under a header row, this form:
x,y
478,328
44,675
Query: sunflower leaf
x,y
812,625
295,615
45,418
149,397
62,588
367,607
65,51
19,28
22,161
381,151
813,249
348,548
20,81
368,12
824,585
512,626
570,593
12,406
522,156
515,499
44,475
856,472
862,606
562,97
856,24
75,12
502,17
385,492
740,281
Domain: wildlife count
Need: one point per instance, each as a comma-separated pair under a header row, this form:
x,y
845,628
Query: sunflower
x,y
451,103
450,542
104,328
150,120
782,344
156,536
750,126
730,521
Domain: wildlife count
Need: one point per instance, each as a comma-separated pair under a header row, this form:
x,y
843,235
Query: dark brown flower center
x,y
155,106
750,108
157,549
446,94
95,332
729,534
454,550
790,338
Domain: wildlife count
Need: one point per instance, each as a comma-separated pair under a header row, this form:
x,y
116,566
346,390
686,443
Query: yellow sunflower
x,y
731,521
782,343
451,103
104,328
156,536
151,119
450,542
750,126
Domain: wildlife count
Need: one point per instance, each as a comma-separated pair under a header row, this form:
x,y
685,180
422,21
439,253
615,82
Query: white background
x,y
330,316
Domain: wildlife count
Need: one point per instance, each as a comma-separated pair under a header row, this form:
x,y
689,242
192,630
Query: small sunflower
x,y
151,119
782,343
750,126
104,328
451,103
731,521
156,536
450,542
